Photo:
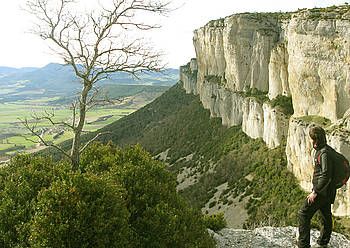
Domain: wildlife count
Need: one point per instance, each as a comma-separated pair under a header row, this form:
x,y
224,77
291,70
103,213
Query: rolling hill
x,y
59,80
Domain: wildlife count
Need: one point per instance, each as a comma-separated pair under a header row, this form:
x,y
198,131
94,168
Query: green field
x,y
13,134
14,137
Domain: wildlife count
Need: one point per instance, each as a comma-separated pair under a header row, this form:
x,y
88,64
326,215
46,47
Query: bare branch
x,y
49,117
33,131
92,140
96,100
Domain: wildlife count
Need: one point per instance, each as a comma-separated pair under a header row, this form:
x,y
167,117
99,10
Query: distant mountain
x,y
5,71
60,80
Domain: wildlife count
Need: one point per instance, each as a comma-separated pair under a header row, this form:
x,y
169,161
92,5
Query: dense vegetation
x,y
120,198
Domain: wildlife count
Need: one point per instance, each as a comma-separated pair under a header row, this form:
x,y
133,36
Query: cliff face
x,y
246,62
318,66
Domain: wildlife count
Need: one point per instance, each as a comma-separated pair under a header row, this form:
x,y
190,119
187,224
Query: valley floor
x,y
14,137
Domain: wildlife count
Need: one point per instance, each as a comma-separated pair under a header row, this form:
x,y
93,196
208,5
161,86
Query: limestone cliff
x,y
248,65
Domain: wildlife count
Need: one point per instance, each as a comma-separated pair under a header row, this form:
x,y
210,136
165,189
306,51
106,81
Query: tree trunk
x,y
75,150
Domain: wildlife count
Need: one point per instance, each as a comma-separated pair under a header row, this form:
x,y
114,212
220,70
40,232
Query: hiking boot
x,y
320,244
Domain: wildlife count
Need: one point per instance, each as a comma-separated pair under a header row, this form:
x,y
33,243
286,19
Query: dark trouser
x,y
305,215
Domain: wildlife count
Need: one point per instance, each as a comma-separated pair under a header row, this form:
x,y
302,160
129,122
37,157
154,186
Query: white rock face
x,y
222,103
278,72
268,237
237,48
305,57
275,126
188,76
319,66
253,118
299,153
258,120
208,45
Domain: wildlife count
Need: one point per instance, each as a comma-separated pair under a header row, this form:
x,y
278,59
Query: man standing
x,y
322,195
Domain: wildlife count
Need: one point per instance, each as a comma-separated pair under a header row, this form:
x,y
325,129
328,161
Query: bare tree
x,y
95,44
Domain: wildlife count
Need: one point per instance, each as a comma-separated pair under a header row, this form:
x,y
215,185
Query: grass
x,y
11,113
318,120
5,146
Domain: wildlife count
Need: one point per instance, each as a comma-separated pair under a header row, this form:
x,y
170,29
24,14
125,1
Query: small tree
x,y
95,44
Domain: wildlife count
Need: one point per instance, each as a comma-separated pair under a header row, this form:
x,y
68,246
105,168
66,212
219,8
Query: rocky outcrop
x,y
275,126
299,152
237,48
318,66
258,119
303,55
188,76
278,71
268,237
253,118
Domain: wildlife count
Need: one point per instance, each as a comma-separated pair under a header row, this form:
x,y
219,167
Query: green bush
x,y
20,183
99,159
158,215
284,103
258,95
82,210
215,222
212,204
120,198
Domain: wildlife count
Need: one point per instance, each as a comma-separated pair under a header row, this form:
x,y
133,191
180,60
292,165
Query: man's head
x,y
318,136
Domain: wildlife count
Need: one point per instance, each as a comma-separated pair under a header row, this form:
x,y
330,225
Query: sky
x,y
20,48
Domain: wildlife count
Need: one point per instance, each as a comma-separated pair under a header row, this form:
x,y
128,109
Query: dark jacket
x,y
323,172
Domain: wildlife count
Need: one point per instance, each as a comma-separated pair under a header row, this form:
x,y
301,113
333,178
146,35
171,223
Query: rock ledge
x,y
270,237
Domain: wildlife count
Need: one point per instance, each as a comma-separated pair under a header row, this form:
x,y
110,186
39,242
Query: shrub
x,y
99,159
212,204
215,79
215,222
284,103
120,198
158,215
318,120
260,96
20,183
81,211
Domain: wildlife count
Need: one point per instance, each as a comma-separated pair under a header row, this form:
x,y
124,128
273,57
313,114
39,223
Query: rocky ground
x,y
270,237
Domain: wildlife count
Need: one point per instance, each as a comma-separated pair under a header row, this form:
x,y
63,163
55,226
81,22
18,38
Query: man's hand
x,y
311,197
